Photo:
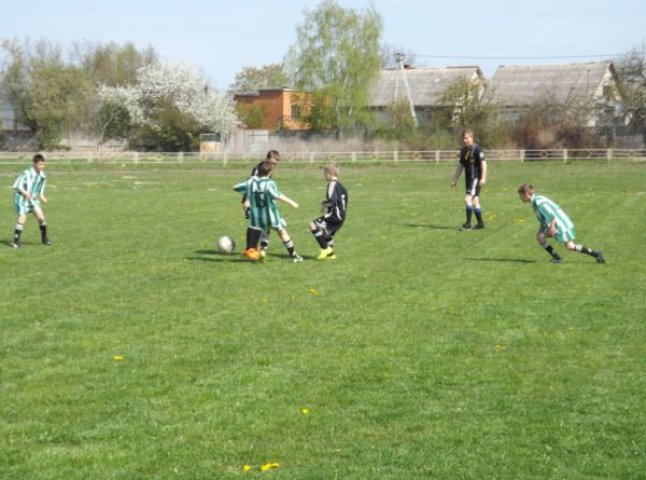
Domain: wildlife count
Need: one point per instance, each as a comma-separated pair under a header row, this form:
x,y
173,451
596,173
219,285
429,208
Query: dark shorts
x,y
329,228
473,187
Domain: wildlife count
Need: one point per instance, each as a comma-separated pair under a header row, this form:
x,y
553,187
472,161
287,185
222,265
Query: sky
x,y
219,38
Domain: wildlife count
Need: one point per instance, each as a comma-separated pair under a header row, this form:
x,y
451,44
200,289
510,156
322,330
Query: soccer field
x,y
132,349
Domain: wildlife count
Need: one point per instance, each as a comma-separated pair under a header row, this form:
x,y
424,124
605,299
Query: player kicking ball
x,y
554,224
263,193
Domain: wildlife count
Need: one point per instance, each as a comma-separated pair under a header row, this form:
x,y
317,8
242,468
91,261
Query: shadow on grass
x,y
512,260
430,225
218,256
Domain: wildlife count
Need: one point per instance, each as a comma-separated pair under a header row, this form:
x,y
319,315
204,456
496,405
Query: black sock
x,y
550,250
320,237
17,232
253,237
478,213
289,245
469,213
43,230
586,250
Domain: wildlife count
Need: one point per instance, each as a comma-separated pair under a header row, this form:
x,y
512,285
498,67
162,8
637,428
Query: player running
x,y
554,224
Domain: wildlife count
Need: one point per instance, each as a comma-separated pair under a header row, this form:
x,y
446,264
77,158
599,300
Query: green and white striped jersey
x,y
546,211
31,181
262,194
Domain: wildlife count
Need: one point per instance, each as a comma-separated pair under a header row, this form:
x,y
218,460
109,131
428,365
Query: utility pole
x,y
400,57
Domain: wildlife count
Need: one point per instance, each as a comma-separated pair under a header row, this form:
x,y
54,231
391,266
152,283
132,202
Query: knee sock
x,y
546,245
320,237
478,212
253,237
43,230
17,232
289,245
582,249
469,213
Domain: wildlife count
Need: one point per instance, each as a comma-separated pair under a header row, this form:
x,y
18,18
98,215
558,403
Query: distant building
x,y
8,120
515,89
423,87
274,109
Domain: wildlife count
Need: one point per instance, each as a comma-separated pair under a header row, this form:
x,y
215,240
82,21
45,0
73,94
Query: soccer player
x,y
334,209
472,161
272,158
554,223
262,193
29,192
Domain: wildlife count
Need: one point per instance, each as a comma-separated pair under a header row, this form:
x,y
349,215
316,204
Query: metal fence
x,y
384,156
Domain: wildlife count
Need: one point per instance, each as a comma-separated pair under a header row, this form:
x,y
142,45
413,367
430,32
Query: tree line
x,y
113,91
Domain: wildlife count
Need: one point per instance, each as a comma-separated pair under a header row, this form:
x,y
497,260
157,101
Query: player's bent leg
x,y
289,245
541,238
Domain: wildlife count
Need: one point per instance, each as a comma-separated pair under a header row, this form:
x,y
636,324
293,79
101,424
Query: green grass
x,y
422,352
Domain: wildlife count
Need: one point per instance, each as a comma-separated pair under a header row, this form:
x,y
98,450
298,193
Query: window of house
x,y
296,111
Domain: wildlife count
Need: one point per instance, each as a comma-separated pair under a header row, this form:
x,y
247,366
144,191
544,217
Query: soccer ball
x,y
226,244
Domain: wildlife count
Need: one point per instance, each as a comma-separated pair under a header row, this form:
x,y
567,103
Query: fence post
x,y
609,154
311,158
354,157
437,156
395,155
565,155
135,157
522,155
224,157
180,157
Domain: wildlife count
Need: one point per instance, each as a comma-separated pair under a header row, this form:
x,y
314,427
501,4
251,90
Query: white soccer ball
x,y
226,244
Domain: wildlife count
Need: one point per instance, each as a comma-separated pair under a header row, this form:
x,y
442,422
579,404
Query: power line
x,y
528,57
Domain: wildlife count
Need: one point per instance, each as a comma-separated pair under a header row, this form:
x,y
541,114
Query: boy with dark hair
x,y
271,158
554,223
472,161
29,192
262,193
334,208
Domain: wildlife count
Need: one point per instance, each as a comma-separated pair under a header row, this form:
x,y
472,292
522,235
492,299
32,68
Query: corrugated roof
x,y
426,84
524,85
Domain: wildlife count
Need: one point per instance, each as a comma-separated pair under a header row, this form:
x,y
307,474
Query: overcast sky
x,y
220,37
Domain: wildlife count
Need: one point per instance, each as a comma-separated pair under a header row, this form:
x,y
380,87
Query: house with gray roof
x,y
423,87
515,89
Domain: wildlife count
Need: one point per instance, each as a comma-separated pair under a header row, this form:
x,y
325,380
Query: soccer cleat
x,y
326,253
600,258
465,227
48,242
15,244
479,226
556,260
297,258
251,254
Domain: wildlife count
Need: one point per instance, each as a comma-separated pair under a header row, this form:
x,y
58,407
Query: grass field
x,y
132,349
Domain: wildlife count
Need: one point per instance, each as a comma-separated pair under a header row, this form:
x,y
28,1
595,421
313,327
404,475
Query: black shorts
x,y
473,187
329,228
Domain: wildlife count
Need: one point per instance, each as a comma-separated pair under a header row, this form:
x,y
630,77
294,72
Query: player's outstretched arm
x,y
287,200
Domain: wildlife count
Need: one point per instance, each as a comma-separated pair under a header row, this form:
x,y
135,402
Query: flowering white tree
x,y
172,97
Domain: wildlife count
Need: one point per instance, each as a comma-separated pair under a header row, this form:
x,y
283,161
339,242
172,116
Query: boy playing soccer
x,y
334,207
555,224
29,191
262,193
272,158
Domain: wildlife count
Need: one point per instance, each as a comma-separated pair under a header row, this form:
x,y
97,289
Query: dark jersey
x,y
336,202
471,159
